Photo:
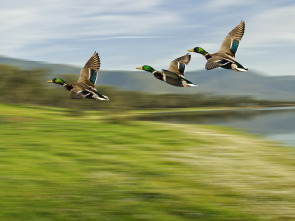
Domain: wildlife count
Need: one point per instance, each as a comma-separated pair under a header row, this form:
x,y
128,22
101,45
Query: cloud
x,y
268,22
155,30
32,30
87,18
218,5
275,25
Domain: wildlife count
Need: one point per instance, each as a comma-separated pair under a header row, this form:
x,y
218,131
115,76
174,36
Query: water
x,y
273,123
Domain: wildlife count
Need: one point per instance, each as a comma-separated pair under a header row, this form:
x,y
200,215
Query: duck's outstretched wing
x,y
178,65
231,42
89,73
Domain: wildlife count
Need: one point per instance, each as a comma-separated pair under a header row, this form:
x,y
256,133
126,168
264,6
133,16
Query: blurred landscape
x,y
253,84
64,159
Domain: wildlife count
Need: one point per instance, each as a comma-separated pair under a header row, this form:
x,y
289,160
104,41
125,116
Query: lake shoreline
x,y
212,109
268,122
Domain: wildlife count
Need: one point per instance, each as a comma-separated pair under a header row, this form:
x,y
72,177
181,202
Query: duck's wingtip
x,y
105,98
192,85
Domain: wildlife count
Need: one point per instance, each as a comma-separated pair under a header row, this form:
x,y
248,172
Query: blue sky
x,y
131,33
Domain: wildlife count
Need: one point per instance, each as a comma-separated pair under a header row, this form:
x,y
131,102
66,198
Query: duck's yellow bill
x,y
192,50
49,81
139,68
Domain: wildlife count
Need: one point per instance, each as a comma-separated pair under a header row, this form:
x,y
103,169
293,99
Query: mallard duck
x,y
175,73
225,57
84,87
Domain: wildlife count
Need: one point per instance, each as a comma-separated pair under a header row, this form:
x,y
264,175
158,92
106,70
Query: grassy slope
x,y
54,166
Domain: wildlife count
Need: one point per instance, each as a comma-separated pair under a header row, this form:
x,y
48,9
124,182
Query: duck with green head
x,y
175,73
225,57
84,87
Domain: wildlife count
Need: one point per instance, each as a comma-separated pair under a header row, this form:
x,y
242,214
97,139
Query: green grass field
x,y
56,164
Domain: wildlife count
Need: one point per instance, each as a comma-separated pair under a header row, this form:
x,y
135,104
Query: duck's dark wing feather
x,y
80,90
159,75
89,73
77,94
170,74
213,63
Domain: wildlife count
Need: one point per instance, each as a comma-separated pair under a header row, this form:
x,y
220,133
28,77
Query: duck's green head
x,y
57,81
146,68
199,50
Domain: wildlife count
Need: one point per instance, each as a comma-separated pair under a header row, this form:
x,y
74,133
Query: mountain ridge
x,y
217,81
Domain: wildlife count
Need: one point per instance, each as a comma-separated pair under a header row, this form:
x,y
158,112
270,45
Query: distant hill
x,y
217,81
24,64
